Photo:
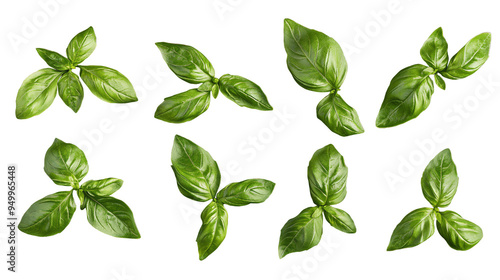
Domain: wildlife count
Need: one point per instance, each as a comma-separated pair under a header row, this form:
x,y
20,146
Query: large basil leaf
x,y
435,50
184,106
187,63
213,230
408,95
440,180
469,58
459,233
315,60
338,116
108,84
301,232
65,163
111,216
103,187
327,175
71,90
49,215
246,192
54,60
197,173
339,219
81,46
415,228
37,93
244,92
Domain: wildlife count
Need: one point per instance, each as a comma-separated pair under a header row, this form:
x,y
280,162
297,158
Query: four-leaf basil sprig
x,y
198,178
192,66
66,165
317,63
439,185
327,174
39,90
410,91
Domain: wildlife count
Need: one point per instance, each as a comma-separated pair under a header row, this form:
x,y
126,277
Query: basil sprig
x,y
439,185
198,178
192,66
67,165
317,63
410,91
39,90
327,174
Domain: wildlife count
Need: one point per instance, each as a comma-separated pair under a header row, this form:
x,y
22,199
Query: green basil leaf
x,y
439,81
197,173
49,215
408,95
244,92
71,90
187,63
315,60
81,46
102,187
415,228
301,232
213,230
184,106
246,192
338,116
65,163
108,84
469,58
459,233
215,90
81,197
327,175
435,50
339,219
37,93
111,216
54,59
206,86
440,180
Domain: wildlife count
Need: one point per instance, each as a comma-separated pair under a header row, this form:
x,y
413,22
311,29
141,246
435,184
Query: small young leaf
x,y
435,50
102,187
338,116
459,233
244,92
213,230
187,63
71,90
37,93
339,219
49,215
415,228
108,84
215,90
439,81
65,163
184,106
246,192
54,59
440,180
206,86
81,46
301,232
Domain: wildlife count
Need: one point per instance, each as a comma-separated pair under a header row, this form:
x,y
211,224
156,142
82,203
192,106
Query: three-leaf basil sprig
x,y
410,91
66,165
327,174
39,90
317,63
439,185
198,178
192,66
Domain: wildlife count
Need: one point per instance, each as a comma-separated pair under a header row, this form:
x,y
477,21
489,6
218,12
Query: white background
x,y
246,38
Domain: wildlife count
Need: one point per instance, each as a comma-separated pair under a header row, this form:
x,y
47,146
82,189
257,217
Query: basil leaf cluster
x,y
192,66
327,174
39,90
198,178
410,91
67,165
439,185
317,63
